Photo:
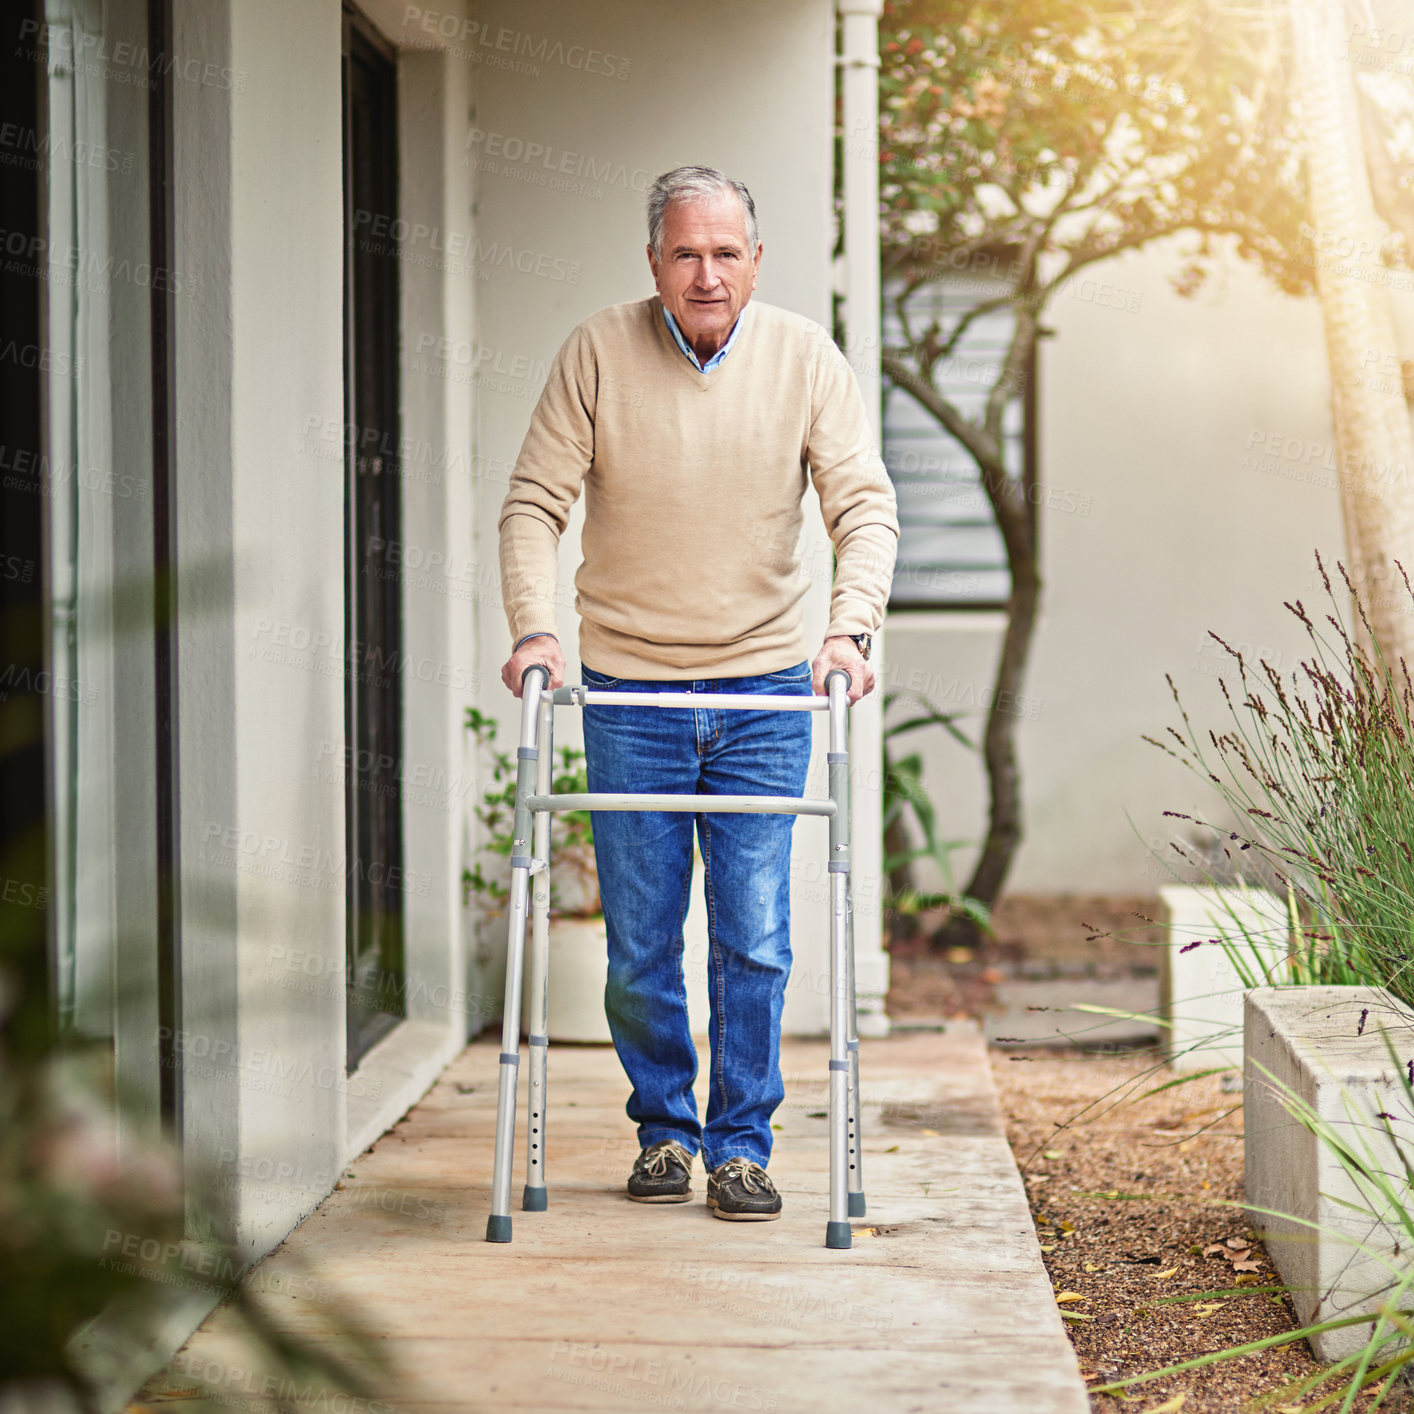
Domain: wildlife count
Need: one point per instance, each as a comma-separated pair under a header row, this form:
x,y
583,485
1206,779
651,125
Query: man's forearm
x,y
529,571
864,571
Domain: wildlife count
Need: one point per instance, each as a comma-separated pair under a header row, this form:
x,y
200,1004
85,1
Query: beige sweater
x,y
693,489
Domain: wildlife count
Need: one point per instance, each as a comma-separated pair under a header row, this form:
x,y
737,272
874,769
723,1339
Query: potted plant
x,y
579,961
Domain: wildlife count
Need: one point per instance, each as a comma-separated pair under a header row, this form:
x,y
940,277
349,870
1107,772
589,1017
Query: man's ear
x,y
652,262
756,264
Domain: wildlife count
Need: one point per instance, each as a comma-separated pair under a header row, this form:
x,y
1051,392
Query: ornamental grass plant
x,y
1317,769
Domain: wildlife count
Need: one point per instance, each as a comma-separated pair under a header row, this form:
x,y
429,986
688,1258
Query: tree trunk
x,y
1004,814
1013,512
1374,445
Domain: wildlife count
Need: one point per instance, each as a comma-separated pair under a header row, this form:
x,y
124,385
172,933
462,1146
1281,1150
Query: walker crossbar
x,y
707,804
577,696
530,901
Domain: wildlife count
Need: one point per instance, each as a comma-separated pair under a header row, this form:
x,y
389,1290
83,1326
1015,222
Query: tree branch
x,y
983,451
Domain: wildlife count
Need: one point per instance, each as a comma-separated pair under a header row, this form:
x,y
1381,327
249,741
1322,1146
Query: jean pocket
x,y
798,674
593,679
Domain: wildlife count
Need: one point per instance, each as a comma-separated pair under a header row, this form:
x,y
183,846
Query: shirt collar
x,y
687,348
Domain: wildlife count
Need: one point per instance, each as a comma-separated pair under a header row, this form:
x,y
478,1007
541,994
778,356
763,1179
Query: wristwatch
x,y
861,641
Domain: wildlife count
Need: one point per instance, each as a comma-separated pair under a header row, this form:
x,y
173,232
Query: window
x,y
372,514
950,551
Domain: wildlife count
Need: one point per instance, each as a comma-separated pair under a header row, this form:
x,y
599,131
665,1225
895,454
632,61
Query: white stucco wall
x,y
1170,518
606,126
260,472
287,507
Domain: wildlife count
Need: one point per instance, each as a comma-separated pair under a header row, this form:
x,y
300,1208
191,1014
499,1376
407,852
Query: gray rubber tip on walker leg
x,y
837,1235
535,1200
498,1229
856,1204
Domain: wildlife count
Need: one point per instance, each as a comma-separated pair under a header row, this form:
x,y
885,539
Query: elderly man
x,y
694,421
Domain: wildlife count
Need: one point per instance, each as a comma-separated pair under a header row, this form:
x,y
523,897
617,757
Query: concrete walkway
x,y
942,1304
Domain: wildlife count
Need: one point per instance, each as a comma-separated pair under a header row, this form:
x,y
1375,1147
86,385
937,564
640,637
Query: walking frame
x,y
530,861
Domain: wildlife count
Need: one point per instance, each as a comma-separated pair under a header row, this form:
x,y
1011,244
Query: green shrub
x,y
574,879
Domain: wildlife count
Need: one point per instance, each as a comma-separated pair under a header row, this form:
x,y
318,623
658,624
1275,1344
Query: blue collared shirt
x,y
687,348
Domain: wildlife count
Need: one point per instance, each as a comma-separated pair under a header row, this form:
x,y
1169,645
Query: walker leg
x,y
536,1199
857,1207
837,1229
498,1225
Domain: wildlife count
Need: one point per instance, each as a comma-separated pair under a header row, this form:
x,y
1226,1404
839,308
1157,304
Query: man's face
x,y
706,273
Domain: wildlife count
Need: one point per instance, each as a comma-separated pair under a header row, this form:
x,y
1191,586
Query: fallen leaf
x,y
1172,1272
1063,1296
1214,1249
1075,1316
1206,1308
1051,1248
1050,1153
1242,1281
1246,1266
1238,1242
1092,1267
892,1149
1169,1406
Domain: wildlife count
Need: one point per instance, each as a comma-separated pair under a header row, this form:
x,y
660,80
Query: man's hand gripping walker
x,y
530,893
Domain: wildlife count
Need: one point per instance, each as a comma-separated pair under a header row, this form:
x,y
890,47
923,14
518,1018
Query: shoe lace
x,y
655,1160
751,1176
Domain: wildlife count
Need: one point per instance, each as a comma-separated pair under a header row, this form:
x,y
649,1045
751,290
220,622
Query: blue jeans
x,y
645,872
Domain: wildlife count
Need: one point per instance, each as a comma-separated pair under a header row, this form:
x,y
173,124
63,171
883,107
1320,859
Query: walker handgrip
x,y
535,668
848,681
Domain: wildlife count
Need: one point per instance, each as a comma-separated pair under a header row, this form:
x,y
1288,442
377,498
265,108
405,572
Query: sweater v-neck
x,y
702,379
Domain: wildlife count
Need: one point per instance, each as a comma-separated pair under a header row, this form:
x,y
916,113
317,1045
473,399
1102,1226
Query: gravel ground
x,y
1127,1193
1128,1189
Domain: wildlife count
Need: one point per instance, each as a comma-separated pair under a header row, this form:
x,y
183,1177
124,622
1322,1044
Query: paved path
x,y
941,1306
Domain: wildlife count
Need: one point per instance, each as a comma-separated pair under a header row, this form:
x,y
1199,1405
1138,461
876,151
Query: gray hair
x,y
689,184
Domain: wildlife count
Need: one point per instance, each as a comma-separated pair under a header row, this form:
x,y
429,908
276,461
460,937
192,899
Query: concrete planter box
x,y
579,968
1200,991
1310,1040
